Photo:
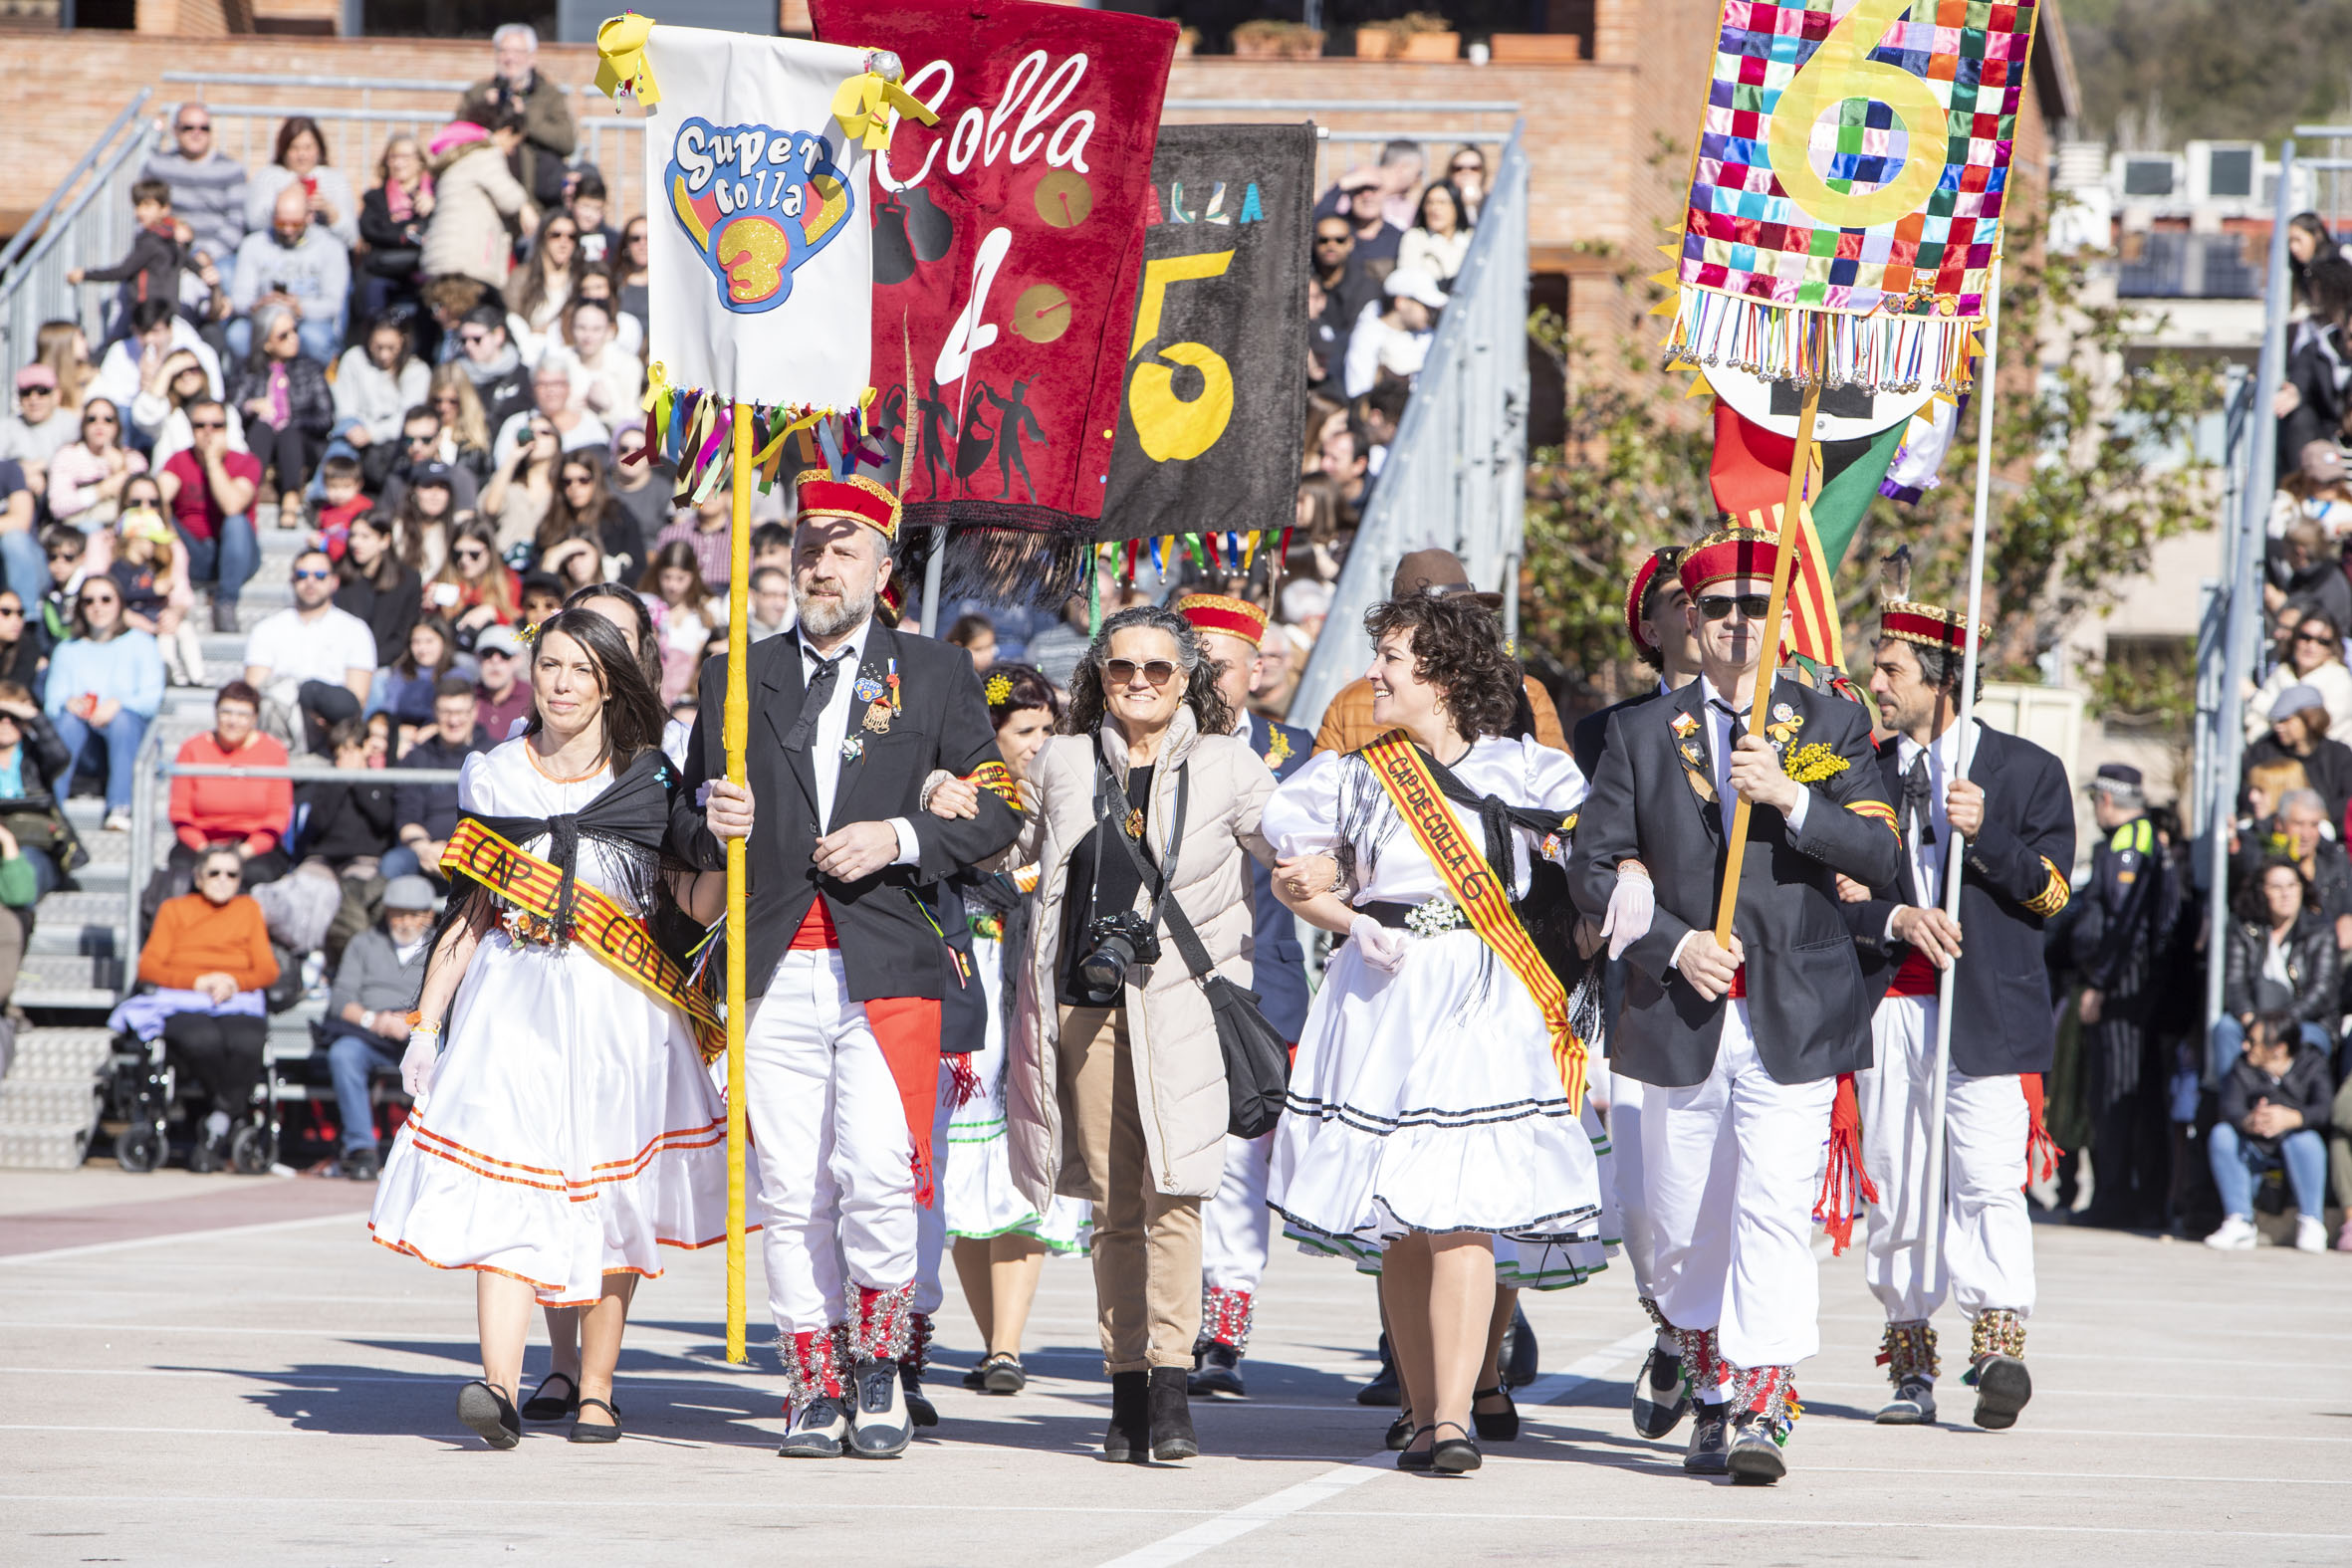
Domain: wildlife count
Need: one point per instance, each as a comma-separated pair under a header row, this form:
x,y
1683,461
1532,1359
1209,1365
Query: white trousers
x,y
1626,1098
1730,1166
1237,1227
1985,1257
931,1218
836,1185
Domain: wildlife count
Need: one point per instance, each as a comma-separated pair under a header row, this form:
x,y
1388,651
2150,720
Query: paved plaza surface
x,y
216,1370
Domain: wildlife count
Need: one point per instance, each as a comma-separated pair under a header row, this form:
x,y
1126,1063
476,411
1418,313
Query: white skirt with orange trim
x,y
569,1133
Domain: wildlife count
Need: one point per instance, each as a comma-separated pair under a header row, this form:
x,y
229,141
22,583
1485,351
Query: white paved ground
x,y
276,1389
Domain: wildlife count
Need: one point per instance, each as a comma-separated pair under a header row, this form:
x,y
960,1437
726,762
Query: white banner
x,y
762,245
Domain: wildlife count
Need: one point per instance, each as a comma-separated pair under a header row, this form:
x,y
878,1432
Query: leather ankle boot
x,y
1129,1435
1171,1416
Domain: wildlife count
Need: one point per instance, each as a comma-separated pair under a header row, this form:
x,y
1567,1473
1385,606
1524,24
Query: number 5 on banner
x,y
1841,69
1171,427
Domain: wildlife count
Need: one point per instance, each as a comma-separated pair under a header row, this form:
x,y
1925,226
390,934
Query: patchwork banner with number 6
x,y
1209,435
1854,160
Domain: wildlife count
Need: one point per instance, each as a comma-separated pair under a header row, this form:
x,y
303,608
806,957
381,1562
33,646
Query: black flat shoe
x,y
977,1378
1500,1425
1400,1433
589,1432
1406,1459
1002,1373
490,1413
542,1405
1454,1455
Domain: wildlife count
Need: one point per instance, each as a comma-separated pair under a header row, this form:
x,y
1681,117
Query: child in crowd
x,y
156,594
68,549
344,501
599,241
151,268
543,596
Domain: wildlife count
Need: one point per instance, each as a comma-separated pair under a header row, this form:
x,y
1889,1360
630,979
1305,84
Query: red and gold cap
x,y
1931,624
1662,559
1729,554
856,498
1224,614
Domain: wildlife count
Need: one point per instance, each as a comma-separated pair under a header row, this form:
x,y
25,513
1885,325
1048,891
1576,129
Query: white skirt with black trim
x,y
976,1168
1428,1101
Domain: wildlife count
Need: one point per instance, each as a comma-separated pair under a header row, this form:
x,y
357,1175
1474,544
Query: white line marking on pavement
x,y
1189,1543
346,1216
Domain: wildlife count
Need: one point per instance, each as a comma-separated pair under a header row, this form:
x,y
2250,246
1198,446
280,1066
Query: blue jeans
x,y
227,561
2236,1160
121,733
350,1060
2226,1043
26,566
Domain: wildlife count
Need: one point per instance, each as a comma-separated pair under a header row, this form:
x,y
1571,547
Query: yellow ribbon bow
x,y
861,104
620,63
657,385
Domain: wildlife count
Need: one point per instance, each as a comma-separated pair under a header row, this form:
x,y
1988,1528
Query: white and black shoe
x,y
2003,1388
1913,1404
1659,1399
1756,1458
1711,1441
879,1425
1217,1369
817,1430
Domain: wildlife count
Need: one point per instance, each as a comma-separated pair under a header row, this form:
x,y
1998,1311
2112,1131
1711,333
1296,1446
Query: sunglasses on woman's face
x,y
98,601
576,480
11,609
221,874
99,419
476,554
1121,672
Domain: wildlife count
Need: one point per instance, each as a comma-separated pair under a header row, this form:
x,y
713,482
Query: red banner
x,y
1008,247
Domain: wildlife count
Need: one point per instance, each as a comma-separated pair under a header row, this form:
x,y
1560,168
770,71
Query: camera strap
x,y
1188,941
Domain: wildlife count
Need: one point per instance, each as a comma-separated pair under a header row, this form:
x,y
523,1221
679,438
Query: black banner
x,y
1216,376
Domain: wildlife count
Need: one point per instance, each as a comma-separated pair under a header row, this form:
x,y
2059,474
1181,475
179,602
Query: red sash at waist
x,y
1918,976
817,928
1739,991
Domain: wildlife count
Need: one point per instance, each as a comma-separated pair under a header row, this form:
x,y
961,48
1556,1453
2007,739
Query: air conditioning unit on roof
x,y
2224,171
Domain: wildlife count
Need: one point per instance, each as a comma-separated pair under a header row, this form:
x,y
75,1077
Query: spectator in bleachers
x,y
105,689
2280,958
207,186
410,683
674,577
211,490
641,488
65,348
522,488
392,221
87,476
474,589
1439,239
976,634
2299,833
425,815
35,769
502,698
517,90
1393,340
346,825
66,551
599,241
707,533
1343,462
157,329
628,332
606,379
366,1022
495,366
2316,659
379,586
543,596
429,516
288,412
389,468
311,658
575,563
551,396
209,955
586,506
631,274
299,164
24,644
19,538
466,427
1379,198
159,413
41,424
1347,289
150,571
151,267
242,818
2299,725
771,614
1466,171
478,207
341,500
2303,566
376,383
1377,414
1315,545
538,290
296,265
2273,1116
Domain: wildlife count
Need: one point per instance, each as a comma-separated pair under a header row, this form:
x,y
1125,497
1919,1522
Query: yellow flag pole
x,y
1783,560
737,735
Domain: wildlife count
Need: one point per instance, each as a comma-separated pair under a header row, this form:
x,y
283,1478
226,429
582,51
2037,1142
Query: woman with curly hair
x,y
1115,1088
1428,1130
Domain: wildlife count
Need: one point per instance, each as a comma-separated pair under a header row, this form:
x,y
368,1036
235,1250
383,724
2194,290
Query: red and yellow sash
x,y
619,939
1397,762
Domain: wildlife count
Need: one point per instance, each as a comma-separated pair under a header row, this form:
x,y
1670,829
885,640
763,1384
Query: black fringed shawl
x,y
631,817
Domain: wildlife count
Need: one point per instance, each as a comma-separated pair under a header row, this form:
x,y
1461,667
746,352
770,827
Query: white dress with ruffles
x,y
1428,1100
571,1129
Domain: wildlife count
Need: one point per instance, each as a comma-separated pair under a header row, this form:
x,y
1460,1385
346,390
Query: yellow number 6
x,y
1170,427
1841,69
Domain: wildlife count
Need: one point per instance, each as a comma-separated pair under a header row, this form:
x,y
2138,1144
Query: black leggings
x,y
289,451
221,1054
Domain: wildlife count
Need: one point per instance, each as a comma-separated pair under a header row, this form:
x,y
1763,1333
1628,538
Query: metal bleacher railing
x,y
84,222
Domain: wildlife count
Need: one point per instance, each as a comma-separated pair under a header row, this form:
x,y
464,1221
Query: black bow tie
x,y
821,692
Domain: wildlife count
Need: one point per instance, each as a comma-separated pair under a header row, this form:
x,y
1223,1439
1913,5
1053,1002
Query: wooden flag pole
x,y
737,733
1783,560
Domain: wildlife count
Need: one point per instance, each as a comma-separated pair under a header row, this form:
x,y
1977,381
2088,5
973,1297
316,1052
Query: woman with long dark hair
x,y
474,589
568,1126
377,585
675,576
586,506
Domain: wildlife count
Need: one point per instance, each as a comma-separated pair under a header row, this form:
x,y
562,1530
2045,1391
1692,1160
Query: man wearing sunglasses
x,y
1741,1046
207,186
493,365
311,657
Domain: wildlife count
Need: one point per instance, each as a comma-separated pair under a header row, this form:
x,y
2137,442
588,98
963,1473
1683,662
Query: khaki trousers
x,y
1147,1246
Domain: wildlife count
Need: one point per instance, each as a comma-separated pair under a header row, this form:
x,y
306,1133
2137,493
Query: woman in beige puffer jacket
x,y
476,205
1126,1104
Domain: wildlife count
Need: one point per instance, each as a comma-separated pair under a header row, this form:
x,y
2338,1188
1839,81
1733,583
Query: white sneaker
x,y
2310,1234
2237,1235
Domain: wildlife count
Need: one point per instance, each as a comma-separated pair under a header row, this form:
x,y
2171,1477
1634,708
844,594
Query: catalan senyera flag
x,y
1812,589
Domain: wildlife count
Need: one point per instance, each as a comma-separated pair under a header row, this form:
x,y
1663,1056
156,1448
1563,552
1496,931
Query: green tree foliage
x,y
2211,68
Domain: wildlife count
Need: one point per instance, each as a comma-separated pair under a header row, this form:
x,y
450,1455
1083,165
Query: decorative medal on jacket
x,y
1685,734
870,691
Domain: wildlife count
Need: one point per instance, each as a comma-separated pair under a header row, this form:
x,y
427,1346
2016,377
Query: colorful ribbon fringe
x,y
693,431
1885,353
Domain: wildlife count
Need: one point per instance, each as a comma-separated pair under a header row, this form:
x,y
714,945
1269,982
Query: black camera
x,y
1114,945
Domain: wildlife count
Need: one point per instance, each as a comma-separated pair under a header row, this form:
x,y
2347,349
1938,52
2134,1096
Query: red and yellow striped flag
x,y
1812,589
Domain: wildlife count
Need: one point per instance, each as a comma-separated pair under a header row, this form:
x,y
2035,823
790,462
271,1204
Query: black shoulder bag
x,y
1257,1058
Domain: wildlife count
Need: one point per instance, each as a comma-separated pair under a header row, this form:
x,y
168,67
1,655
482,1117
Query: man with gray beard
x,y
852,725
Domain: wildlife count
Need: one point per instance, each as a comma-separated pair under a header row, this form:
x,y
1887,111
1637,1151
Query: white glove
x,y
1632,904
418,1062
1384,947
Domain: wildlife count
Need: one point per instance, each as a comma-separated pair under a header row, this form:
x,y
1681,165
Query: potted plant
x,y
1275,40
1417,35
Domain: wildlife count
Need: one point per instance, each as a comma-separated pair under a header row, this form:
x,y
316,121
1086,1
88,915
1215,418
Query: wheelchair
x,y
143,1091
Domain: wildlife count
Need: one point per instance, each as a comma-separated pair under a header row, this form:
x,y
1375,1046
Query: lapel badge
x,y
878,716
1685,725
853,748
1278,751
1691,754
868,689
1700,785
1783,712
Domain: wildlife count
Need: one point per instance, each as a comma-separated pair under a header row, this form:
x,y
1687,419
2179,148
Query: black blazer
x,y
887,943
1278,970
2015,881
1805,995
